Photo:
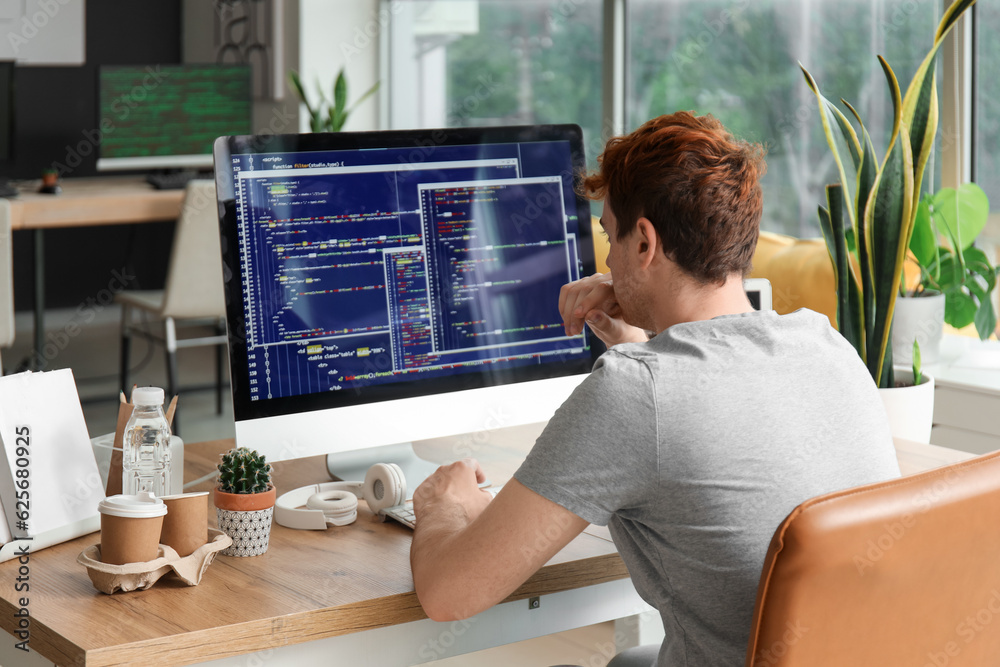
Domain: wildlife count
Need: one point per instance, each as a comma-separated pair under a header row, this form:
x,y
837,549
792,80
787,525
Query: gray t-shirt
x,y
693,447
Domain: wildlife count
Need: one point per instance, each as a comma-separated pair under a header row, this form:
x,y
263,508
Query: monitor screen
x,y
400,273
165,116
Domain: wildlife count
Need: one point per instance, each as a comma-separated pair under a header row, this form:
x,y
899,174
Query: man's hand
x,y
452,493
592,301
462,566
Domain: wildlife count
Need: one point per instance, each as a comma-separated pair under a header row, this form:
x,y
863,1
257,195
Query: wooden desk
x,y
86,202
344,592
916,457
310,585
96,201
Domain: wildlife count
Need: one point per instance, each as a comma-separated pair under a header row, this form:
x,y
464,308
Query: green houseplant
x,y
946,225
875,203
244,501
328,115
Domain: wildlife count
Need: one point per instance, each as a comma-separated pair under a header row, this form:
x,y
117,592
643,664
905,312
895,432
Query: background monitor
x,y
167,116
385,287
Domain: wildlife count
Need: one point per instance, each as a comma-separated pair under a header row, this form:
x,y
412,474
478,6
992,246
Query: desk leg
x,y
39,301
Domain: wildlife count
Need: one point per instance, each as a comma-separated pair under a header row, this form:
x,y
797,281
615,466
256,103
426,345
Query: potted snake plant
x,y
328,114
244,501
869,215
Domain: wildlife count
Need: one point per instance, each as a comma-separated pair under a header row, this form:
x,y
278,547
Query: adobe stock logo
x,y
772,654
695,47
967,630
893,533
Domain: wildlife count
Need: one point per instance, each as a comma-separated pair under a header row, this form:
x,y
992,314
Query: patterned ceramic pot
x,y
245,517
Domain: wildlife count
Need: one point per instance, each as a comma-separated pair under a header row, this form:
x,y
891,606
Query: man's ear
x,y
647,242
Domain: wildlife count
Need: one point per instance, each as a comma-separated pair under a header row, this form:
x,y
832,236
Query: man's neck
x,y
690,301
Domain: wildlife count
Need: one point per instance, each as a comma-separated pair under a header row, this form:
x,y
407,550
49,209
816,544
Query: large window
x,y
987,101
460,63
468,62
986,114
738,61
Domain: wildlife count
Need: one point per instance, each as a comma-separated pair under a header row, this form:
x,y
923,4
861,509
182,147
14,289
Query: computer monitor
x,y
386,287
758,291
168,116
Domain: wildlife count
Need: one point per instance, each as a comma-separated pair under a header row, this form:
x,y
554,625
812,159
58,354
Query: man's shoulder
x,y
732,332
615,372
625,363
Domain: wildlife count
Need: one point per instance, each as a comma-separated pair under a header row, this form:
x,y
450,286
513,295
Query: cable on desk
x,y
205,478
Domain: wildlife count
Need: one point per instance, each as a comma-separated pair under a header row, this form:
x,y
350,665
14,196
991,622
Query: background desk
x,y
86,202
967,395
340,596
96,201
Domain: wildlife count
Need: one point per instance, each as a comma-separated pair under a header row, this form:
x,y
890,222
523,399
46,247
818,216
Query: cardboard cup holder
x,y
109,578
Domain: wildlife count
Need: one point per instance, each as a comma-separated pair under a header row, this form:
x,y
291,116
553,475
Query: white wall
x,y
37,33
343,34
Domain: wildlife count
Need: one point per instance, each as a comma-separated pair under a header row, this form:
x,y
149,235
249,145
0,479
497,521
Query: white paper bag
x,y
48,476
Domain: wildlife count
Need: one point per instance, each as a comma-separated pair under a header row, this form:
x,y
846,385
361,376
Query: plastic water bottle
x,y
146,445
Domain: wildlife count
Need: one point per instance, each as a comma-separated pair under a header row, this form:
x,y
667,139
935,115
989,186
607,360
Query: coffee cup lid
x,y
141,506
191,494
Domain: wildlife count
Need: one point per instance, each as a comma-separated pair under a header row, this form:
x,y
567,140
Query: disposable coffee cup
x,y
185,527
130,528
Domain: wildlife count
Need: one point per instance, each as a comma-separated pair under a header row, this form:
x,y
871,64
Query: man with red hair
x,y
699,430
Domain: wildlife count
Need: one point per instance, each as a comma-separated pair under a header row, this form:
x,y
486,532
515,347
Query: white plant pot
x,y
920,318
910,409
250,530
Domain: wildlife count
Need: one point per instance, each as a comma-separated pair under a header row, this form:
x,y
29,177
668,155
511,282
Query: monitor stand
x,y
353,465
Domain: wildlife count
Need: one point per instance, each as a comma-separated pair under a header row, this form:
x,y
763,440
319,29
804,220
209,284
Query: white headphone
x,y
336,503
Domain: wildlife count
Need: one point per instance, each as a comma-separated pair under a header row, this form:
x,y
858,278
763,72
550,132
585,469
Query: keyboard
x,y
174,180
404,513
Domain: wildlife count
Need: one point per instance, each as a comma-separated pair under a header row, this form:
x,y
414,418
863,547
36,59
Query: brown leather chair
x,y
905,572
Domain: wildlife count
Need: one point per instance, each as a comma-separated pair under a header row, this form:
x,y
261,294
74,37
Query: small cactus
x,y
244,471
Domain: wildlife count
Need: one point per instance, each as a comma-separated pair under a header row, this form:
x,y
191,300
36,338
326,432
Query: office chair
x,y
904,572
192,293
6,279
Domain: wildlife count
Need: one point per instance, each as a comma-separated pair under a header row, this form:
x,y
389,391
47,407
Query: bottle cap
x,y
147,396
141,506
